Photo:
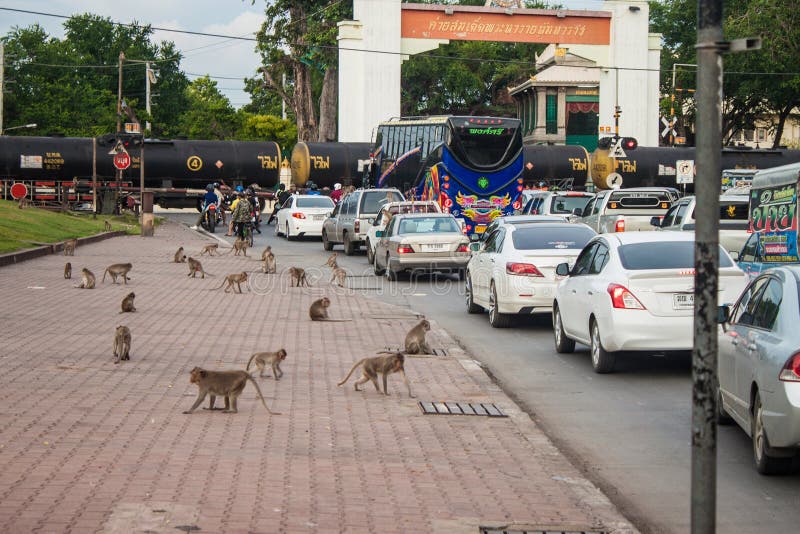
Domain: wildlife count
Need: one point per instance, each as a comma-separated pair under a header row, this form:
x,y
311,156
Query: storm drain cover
x,y
461,408
435,352
485,530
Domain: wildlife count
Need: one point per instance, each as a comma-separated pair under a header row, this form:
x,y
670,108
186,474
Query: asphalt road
x,y
629,431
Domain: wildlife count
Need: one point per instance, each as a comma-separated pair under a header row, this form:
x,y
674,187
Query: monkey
x,y
24,203
332,261
68,270
118,269
319,311
127,303
298,275
210,249
194,267
272,358
339,275
240,245
384,365
69,247
122,344
270,265
108,226
87,279
415,339
179,257
228,384
238,279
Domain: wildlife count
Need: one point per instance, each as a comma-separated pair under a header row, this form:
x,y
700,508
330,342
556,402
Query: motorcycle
x,y
210,218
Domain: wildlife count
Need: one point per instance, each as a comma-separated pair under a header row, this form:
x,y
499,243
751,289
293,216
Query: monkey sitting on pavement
x,y
383,365
238,279
195,267
118,269
270,264
127,303
415,339
228,384
69,247
272,358
319,311
179,257
87,279
122,344
68,270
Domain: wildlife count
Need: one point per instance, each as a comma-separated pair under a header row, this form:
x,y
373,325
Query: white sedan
x,y
633,291
303,215
513,271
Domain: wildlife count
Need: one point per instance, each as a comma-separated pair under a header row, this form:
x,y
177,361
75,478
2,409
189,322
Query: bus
x,y
471,166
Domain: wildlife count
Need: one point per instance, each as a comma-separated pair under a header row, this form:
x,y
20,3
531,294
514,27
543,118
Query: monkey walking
x,y
127,303
210,249
122,344
68,270
238,279
69,247
264,358
179,256
107,226
270,264
339,275
383,365
195,267
118,269
240,245
88,280
298,277
319,311
228,384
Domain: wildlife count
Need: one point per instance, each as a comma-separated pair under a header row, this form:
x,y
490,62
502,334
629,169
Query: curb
x,y
17,257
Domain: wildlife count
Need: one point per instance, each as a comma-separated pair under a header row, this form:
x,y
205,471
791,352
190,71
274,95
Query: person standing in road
x,y
312,189
242,214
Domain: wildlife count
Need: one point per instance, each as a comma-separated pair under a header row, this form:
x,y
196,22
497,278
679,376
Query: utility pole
x,y
119,92
2,81
149,78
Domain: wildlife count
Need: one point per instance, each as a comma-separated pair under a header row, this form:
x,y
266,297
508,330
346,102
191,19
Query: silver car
x,y
759,367
421,241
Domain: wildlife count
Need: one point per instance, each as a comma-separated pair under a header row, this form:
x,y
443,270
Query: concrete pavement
x,y
90,446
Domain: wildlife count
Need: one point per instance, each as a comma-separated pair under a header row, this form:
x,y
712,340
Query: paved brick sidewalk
x,y
90,446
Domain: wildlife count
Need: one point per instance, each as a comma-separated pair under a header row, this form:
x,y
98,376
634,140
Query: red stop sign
x,y
18,191
122,160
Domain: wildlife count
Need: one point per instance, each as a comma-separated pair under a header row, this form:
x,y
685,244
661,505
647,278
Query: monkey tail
x,y
104,275
258,389
251,361
345,379
219,286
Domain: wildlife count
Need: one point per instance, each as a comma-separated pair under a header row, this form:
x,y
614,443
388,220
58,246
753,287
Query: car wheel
x,y
327,245
471,306
723,418
497,319
390,273
377,269
602,360
564,344
349,248
370,253
765,464
462,274
287,234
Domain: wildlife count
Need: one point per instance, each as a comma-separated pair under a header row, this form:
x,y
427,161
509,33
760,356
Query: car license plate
x,y
433,246
319,217
683,301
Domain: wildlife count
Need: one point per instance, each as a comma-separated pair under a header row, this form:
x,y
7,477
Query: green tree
x,y
210,114
259,127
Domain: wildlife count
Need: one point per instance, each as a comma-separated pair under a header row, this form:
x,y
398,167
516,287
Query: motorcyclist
x,y
220,202
241,214
208,199
282,196
256,205
312,189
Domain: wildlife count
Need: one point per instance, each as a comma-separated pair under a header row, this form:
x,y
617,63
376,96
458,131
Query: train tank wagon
x,y
328,163
657,166
559,166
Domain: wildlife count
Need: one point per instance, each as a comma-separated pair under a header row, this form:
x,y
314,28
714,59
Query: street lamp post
x,y
31,125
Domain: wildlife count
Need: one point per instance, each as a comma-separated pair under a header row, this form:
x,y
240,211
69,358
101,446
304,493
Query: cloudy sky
x,y
226,61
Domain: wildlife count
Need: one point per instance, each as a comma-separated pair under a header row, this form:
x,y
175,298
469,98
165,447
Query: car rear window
x,y
537,237
663,255
318,202
732,215
415,208
373,201
424,225
568,203
638,200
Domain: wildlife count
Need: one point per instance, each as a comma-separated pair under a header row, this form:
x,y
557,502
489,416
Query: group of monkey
x,y
230,384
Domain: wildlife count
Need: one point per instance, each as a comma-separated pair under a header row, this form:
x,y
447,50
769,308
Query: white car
x,y
303,215
387,211
513,272
633,291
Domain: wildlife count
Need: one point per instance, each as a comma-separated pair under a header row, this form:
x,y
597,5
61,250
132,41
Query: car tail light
x,y
619,226
298,215
523,269
357,226
791,371
622,298
462,248
464,230
404,249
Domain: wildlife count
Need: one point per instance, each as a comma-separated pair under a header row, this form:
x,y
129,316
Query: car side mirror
x,y
379,233
655,221
577,212
562,269
475,237
734,255
475,246
723,313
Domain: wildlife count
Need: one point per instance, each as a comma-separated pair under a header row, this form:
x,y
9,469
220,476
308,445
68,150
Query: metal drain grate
x,y
436,352
461,408
485,530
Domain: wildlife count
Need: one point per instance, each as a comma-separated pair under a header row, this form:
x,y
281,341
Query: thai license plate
x,y
433,246
319,217
683,301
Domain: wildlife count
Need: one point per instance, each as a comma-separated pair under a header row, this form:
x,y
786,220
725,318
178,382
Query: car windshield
x,y
568,203
315,202
372,201
427,225
537,237
663,255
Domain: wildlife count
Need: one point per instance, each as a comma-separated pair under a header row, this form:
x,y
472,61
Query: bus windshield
x,y
483,143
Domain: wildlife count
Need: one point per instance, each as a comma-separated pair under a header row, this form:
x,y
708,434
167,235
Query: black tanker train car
x,y
326,164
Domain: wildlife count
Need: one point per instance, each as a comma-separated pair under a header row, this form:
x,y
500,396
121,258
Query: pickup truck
x,y
733,213
626,210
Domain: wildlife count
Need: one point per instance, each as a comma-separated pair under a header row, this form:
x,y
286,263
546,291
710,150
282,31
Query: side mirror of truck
x,y
655,221
577,212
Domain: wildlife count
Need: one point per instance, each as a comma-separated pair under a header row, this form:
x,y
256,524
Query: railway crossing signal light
x,y
126,139
629,143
